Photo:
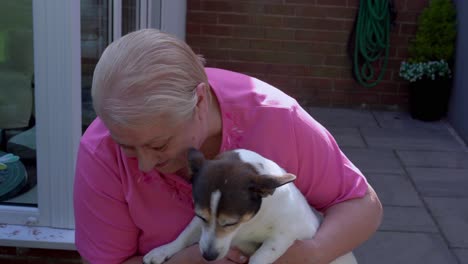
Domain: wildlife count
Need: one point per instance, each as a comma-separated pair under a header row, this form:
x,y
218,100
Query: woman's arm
x,y
345,226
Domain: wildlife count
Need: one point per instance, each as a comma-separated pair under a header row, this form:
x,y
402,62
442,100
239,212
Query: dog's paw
x,y
157,256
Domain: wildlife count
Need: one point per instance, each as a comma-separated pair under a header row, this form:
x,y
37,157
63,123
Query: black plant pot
x,y
429,99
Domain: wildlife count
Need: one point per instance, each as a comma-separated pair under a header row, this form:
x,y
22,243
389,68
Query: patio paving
x,y
420,172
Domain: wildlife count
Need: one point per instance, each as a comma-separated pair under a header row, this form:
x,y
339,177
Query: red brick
x,y
408,29
268,21
325,36
202,41
266,44
49,253
281,81
234,19
217,30
332,2
314,47
233,43
326,12
310,11
416,5
224,6
313,23
353,3
194,29
285,10
253,67
408,17
248,32
193,4
402,53
282,34
277,57
201,17
399,40
318,83
307,2
367,98
346,85
8,251
217,54
325,72
343,61
287,69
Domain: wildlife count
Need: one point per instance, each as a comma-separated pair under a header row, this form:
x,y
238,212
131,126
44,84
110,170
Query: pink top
x,y
121,211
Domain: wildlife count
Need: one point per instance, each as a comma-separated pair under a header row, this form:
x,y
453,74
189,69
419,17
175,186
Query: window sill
x,y
37,237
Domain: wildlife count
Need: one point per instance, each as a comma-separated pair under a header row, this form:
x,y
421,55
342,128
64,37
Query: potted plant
x,y
428,68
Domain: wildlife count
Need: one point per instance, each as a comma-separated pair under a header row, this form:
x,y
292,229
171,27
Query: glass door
x,y
18,175
102,21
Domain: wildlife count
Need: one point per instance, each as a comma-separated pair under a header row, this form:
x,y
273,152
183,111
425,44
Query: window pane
x,y
96,28
18,175
96,32
130,17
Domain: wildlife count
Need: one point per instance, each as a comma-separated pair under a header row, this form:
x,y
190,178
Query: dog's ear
x,y
266,184
195,160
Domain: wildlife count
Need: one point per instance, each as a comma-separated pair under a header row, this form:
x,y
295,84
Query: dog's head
x,y
228,192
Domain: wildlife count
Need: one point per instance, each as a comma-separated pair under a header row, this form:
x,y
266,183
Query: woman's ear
x,y
202,107
202,93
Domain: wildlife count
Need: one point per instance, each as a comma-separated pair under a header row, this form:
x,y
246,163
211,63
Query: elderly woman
x,y
155,99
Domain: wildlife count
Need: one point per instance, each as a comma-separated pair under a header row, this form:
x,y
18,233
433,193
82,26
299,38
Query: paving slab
x,y
339,117
404,248
407,219
434,159
374,160
438,182
347,137
410,139
451,214
394,189
462,255
403,120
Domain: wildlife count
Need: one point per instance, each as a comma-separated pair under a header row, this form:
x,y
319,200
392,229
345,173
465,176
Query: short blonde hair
x,y
147,74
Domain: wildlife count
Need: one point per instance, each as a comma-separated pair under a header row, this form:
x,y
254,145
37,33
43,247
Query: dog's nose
x,y
210,255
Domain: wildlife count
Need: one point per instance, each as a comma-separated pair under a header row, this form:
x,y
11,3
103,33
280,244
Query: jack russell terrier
x,y
246,201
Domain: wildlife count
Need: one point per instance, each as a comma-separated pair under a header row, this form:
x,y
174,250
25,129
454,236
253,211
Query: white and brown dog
x,y
246,201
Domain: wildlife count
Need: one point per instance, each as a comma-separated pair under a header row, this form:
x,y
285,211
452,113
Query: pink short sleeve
x,y
104,231
326,175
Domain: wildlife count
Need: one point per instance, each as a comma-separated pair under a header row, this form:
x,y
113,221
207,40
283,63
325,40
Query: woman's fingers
x,y
236,256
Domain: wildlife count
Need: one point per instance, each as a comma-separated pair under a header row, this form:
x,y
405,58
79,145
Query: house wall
x,y
300,46
458,112
13,255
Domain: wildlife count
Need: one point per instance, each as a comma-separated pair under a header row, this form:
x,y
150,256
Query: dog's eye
x,y
203,219
229,224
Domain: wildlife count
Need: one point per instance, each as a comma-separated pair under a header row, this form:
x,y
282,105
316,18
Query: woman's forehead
x,y
140,135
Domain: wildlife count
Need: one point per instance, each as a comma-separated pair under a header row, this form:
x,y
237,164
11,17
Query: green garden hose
x,y
372,41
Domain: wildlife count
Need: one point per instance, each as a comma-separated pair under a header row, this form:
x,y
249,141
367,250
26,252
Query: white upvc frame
x,y
57,72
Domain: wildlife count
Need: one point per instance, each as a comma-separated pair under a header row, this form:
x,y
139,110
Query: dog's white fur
x,y
284,216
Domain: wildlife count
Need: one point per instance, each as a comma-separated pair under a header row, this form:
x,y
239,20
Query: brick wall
x,y
13,255
300,46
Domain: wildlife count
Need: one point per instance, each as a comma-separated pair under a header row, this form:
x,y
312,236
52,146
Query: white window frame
x,y
57,71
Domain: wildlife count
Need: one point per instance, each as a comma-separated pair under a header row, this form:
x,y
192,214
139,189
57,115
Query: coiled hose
x,y
372,40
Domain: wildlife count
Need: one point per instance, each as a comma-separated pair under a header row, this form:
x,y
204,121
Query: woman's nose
x,y
147,159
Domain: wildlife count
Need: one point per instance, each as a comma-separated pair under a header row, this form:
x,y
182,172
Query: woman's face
x,y
157,145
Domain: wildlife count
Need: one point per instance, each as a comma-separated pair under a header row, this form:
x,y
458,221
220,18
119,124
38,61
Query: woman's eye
x,y
160,147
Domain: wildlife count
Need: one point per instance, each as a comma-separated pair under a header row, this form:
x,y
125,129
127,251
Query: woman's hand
x,y
192,255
